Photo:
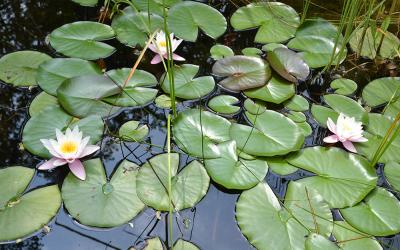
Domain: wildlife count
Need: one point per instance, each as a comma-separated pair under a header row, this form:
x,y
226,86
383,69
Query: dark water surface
x,y
211,225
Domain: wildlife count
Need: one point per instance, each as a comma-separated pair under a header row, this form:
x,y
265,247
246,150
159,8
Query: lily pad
x,y
133,28
319,242
234,172
265,223
186,85
23,214
280,166
251,51
132,131
343,86
199,133
220,51
187,17
20,68
189,186
83,40
377,215
98,202
41,102
381,91
322,113
242,72
295,116
277,22
297,103
305,128
89,3
185,245
44,125
392,174
273,134
288,64
350,238
343,179
277,90
163,101
224,104
315,39
271,46
154,244
254,107
55,71
154,6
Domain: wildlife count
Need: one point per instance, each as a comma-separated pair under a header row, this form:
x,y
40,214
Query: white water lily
x,y
159,46
346,130
68,149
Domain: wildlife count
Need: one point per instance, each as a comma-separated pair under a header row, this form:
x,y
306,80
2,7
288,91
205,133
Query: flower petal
x,y
78,169
175,44
331,125
156,59
153,48
331,139
177,57
90,149
349,146
48,164
59,162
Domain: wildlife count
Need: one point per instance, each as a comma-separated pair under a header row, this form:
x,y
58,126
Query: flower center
x,y
162,44
69,147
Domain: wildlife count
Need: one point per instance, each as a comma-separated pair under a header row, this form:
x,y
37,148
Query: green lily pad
x,y
322,113
98,202
381,91
254,107
163,101
343,86
42,101
343,179
242,72
297,103
154,244
377,215
319,242
280,166
309,207
371,40
88,3
350,238
83,40
44,125
273,134
199,133
295,116
220,51
131,131
277,22
55,71
265,223
392,174
224,104
187,17
189,186
288,64
185,245
305,128
186,85
271,46
315,39
20,68
132,28
251,51
23,214
234,172
154,6
277,90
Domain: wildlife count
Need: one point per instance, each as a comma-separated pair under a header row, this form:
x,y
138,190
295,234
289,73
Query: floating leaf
x,y
20,68
319,242
55,71
271,46
83,40
42,101
185,85
273,134
377,215
343,86
297,103
187,17
277,90
220,51
224,104
350,238
131,131
254,107
277,22
234,172
154,244
189,186
250,51
89,3
295,116
133,28
242,72
265,223
280,166
305,128
23,214
381,91
44,125
185,245
154,6
392,174
98,202
343,179
288,64
322,113
163,101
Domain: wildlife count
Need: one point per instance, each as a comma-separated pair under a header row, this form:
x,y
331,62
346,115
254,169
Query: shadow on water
x,y
211,224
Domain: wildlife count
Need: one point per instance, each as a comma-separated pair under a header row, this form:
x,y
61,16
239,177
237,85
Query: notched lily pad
x,y
133,131
224,104
297,103
220,51
343,86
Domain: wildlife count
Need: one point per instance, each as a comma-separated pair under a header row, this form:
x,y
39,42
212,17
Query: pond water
x,y
211,223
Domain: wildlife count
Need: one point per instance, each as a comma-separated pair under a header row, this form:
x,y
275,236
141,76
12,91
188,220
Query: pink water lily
x,y
68,149
159,46
346,130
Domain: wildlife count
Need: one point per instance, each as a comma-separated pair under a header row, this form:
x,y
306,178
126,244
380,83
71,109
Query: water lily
x,y
346,130
68,149
159,46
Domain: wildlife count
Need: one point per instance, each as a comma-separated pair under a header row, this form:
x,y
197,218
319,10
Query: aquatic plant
x,y
159,46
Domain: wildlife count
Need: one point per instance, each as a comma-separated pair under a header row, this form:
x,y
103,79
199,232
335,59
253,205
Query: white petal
x,y
89,150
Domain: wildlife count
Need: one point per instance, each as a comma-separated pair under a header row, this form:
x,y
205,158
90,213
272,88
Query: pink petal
x,y
89,150
48,164
331,139
175,44
59,162
77,169
331,125
349,146
153,48
156,59
177,57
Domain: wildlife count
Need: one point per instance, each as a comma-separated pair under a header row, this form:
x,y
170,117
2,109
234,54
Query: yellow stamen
x,y
162,44
69,147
